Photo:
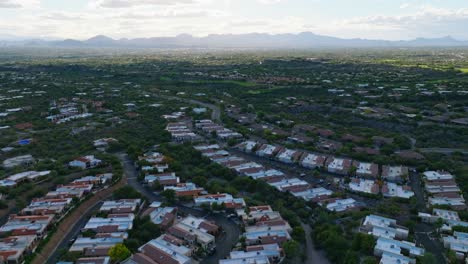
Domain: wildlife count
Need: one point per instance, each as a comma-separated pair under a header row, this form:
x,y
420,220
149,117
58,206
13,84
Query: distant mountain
x,y
253,40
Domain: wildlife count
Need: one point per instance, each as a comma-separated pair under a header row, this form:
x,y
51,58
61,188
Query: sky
x,y
370,19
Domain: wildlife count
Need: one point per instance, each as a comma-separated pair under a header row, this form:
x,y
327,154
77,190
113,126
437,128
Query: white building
x,y
85,162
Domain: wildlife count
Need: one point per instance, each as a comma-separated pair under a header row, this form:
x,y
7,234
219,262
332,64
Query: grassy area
x,y
240,83
464,70
165,79
262,91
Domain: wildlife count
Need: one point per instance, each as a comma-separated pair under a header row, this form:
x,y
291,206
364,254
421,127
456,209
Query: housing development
x,y
233,157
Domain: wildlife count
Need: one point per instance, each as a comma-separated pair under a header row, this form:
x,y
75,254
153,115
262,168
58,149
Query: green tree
x,y
428,258
291,249
169,196
119,253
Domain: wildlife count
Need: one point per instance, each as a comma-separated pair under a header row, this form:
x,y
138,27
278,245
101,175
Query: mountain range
x,y
254,40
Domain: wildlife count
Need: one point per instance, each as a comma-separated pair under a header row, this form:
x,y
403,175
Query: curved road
x,y
224,242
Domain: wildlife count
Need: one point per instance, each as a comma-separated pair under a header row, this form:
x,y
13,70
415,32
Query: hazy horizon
x,y
366,19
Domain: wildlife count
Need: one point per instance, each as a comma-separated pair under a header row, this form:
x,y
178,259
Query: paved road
x,y
224,242
73,233
69,225
415,182
314,256
425,235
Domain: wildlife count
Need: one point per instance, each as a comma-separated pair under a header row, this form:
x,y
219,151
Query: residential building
x,y
18,161
162,216
185,189
100,245
390,189
364,186
394,173
267,150
13,249
458,243
338,165
288,155
312,161
112,223
85,162
121,206
339,205
27,225
379,226
365,169
385,245
164,179
219,199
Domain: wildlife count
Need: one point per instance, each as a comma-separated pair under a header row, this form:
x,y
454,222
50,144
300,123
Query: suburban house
x,y
224,198
365,169
338,165
364,186
288,155
379,226
394,173
312,161
85,162
390,189
121,206
185,189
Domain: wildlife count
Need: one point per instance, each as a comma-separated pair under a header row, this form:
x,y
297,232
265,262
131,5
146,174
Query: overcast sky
x,y
374,19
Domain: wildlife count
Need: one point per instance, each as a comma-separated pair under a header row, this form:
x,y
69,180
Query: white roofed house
x,y
398,249
457,243
365,169
312,161
261,254
158,251
21,225
450,218
267,150
46,206
379,226
390,189
18,161
112,223
339,205
394,173
13,249
437,175
219,199
195,230
338,165
121,206
288,155
364,186
247,146
443,190
85,162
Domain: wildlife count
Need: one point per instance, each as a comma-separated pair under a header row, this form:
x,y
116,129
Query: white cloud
x,y
134,3
9,4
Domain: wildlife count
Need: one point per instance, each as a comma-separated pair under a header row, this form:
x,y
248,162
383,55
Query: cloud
x,y
268,2
134,3
9,4
61,17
